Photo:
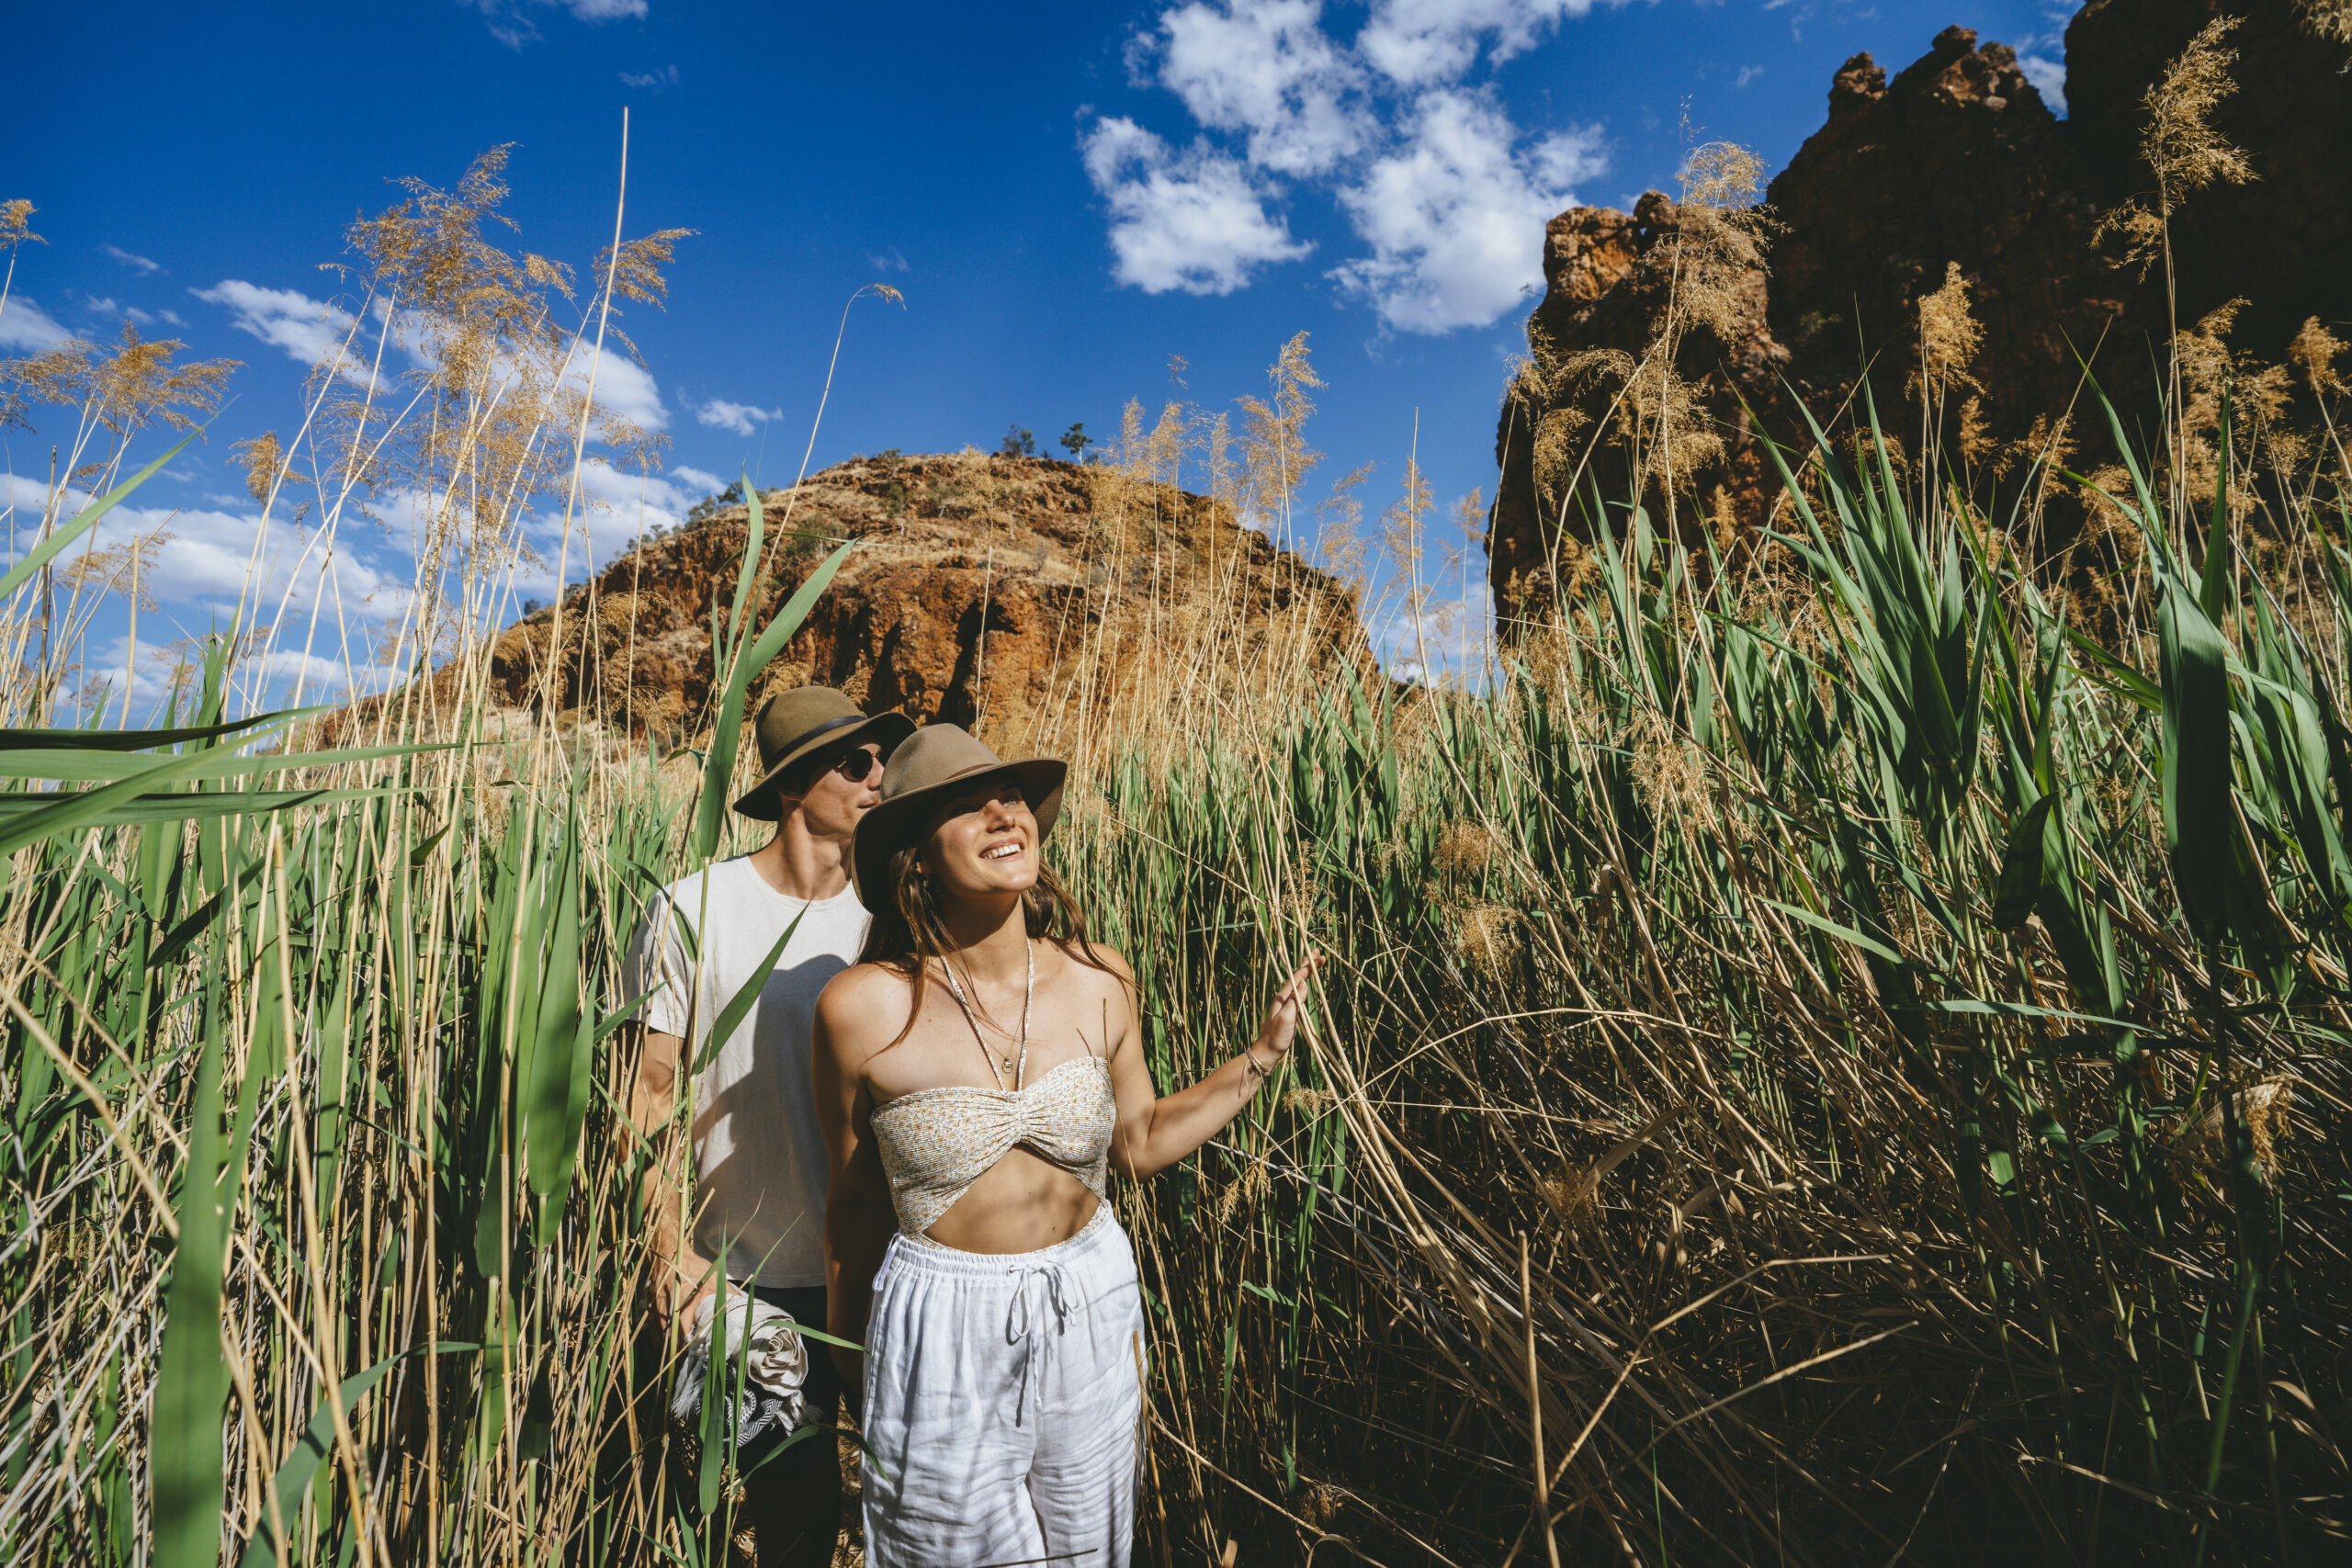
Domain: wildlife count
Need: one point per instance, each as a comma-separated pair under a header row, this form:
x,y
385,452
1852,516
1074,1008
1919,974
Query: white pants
x,y
1004,1402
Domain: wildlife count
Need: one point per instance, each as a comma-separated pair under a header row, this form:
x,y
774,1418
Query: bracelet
x,y
1251,1051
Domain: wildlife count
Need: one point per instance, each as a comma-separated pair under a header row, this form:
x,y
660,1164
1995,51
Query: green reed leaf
x,y
2199,822
732,1015
41,554
292,1483
2019,883
718,769
548,1091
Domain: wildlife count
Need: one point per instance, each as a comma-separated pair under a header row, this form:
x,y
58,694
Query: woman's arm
x,y
1155,1132
858,1211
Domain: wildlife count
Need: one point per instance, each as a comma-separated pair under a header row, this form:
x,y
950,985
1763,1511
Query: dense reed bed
x,y
1840,1069
1828,1059
1810,1045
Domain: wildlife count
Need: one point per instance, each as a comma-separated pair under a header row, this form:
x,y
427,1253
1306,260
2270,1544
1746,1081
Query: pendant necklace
x,y
1000,1065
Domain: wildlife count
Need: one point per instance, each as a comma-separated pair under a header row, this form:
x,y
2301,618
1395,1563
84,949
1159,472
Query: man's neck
x,y
802,864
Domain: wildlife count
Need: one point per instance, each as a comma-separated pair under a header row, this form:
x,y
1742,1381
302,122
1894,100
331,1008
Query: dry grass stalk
x,y
2181,145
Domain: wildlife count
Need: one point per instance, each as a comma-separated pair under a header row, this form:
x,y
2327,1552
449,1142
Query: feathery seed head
x,y
262,462
14,216
2313,352
2181,143
1948,335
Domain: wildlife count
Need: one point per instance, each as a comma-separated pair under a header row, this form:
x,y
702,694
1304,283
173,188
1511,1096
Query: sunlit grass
x,y
1860,1054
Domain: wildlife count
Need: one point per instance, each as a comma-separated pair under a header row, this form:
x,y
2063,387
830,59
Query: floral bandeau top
x,y
935,1143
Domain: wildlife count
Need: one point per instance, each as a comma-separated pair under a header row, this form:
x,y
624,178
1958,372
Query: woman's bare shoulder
x,y
1102,985
863,1007
1098,958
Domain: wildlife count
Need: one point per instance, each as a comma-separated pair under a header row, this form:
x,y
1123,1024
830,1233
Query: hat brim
x,y
762,803
892,825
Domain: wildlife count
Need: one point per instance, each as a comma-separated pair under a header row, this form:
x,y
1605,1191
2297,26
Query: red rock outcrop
x,y
1018,596
1955,162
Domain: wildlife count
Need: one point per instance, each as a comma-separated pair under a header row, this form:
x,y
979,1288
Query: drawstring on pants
x,y
1020,1321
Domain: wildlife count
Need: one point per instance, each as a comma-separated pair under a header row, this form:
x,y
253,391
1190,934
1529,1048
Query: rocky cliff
x,y
1956,163
1021,597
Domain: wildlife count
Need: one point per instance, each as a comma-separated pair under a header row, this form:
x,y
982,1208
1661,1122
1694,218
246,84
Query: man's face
x,y
848,784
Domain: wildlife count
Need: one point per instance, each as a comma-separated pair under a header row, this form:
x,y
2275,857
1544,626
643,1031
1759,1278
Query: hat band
x,y
798,741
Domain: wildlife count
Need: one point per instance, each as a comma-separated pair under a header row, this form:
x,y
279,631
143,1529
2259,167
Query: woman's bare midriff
x,y
1022,1203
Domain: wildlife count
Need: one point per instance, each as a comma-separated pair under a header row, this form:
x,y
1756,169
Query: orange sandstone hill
x,y
1028,599
1952,179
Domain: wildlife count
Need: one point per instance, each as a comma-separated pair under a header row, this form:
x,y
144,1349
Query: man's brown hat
x,y
937,759
793,724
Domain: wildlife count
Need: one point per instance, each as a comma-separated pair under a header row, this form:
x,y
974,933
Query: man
x,y
758,1201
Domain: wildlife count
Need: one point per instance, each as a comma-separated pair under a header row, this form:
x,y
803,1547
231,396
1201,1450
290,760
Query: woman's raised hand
x,y
1281,1023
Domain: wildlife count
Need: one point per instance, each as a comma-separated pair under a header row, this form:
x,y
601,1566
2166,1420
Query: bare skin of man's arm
x,y
681,1274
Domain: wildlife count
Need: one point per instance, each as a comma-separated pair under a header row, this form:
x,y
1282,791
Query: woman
x,y
977,1073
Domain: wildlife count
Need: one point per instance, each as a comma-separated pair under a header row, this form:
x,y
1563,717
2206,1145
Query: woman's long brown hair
x,y
907,932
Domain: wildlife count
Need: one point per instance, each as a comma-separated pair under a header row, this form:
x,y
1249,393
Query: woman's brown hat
x,y
793,724
935,760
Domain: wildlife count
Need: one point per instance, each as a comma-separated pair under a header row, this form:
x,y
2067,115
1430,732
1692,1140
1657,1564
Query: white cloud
x,y
639,499
28,497
721,414
888,261
2049,79
26,325
1414,42
616,506
143,265
314,331
214,556
1193,220
1456,216
359,579
1747,74
623,388
1453,643
311,331
1265,67
1448,195
666,77
2042,56
510,20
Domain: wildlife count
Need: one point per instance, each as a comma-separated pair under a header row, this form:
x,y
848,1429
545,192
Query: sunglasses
x,y
856,766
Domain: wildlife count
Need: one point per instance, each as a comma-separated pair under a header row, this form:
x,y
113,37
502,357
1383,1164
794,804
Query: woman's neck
x,y
990,937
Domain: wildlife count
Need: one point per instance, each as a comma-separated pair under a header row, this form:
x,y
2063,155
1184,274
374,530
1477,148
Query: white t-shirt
x,y
760,1162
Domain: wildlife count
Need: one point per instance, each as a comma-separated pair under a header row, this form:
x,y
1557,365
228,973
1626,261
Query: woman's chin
x,y
1000,879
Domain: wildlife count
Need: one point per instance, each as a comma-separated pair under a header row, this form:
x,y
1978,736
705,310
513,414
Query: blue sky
x,y
1067,196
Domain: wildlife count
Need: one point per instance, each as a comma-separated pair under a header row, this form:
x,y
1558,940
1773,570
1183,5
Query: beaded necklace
x,y
999,1066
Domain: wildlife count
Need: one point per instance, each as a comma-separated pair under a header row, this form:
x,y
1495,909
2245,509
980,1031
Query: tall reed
x,y
1828,1059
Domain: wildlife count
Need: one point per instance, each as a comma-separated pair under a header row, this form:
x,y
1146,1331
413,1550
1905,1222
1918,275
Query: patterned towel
x,y
773,1372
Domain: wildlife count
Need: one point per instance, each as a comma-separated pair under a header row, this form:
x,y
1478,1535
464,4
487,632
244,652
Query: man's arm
x,y
859,1215
681,1275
